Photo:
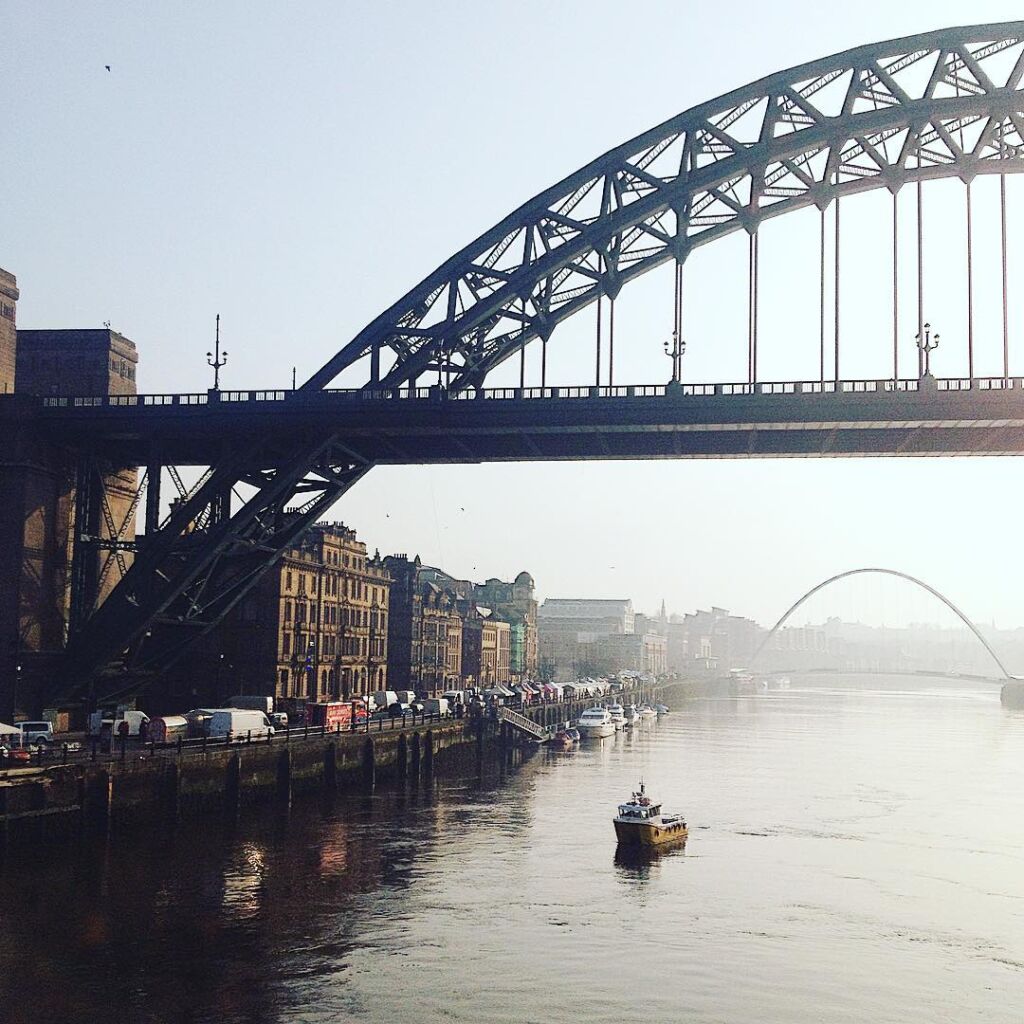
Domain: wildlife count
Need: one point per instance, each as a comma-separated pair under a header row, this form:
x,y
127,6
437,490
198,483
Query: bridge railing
x,y
724,390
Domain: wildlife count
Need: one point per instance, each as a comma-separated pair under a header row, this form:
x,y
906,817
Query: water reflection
x,y
644,862
824,867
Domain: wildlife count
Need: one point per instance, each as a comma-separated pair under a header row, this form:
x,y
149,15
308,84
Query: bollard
x,y
124,747
64,754
179,747
248,736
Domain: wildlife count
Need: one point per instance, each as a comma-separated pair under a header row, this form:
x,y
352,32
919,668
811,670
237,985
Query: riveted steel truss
x,y
220,535
942,104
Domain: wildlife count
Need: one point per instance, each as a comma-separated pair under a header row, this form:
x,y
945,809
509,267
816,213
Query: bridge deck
x,y
860,418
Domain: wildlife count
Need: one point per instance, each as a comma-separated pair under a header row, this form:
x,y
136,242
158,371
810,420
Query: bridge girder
x,y
940,104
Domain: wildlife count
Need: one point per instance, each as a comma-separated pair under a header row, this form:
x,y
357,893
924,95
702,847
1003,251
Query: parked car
x,y
36,732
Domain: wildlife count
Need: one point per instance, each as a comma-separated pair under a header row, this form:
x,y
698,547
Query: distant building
x,y
568,629
713,642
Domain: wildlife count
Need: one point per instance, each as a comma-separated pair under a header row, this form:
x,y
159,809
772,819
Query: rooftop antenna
x,y
293,378
216,358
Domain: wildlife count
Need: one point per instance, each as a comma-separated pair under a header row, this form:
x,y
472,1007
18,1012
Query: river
x,y
856,854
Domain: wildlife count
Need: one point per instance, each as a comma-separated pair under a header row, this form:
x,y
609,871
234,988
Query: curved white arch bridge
x,y
882,572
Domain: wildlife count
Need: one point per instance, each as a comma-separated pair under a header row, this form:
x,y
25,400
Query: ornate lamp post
x,y
926,344
675,353
216,358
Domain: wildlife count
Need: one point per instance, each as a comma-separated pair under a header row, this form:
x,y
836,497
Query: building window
x,y
287,611
284,680
286,644
288,581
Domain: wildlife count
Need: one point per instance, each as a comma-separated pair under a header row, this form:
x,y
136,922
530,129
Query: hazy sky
x,y
297,167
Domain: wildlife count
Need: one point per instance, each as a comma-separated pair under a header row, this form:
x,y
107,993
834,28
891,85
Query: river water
x,y
856,854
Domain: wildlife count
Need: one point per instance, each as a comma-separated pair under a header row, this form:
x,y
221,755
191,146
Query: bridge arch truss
x,y
939,104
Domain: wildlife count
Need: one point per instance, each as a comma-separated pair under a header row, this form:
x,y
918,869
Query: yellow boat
x,y
640,823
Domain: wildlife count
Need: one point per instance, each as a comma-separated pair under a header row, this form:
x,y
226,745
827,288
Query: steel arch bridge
x,y
940,104
882,572
928,106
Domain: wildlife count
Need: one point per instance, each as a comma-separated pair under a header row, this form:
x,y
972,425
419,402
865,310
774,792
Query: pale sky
x,y
298,167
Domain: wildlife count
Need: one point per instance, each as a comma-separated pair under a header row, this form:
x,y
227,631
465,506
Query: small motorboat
x,y
640,822
660,709
631,715
573,734
563,741
646,711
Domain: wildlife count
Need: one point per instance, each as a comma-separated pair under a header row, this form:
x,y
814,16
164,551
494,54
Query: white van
x,y
234,724
383,699
436,706
406,697
455,696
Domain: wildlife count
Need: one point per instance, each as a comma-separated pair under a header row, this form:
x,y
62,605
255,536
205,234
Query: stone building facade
x,y
515,603
313,629
425,642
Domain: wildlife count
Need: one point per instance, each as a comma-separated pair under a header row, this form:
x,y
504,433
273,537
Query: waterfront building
x,y
516,604
486,649
425,640
314,628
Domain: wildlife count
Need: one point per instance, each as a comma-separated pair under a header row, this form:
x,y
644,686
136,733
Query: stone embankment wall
x,y
62,801
156,789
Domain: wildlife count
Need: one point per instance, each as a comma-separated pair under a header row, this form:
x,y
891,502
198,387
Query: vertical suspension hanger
x,y
750,308
522,351
821,303
1002,225
611,341
895,289
836,296
970,285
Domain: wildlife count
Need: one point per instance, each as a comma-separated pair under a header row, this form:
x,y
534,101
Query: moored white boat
x,y
631,715
646,711
618,716
595,723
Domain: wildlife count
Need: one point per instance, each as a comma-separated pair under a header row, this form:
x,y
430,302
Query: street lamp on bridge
x,y
675,353
926,344
217,359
